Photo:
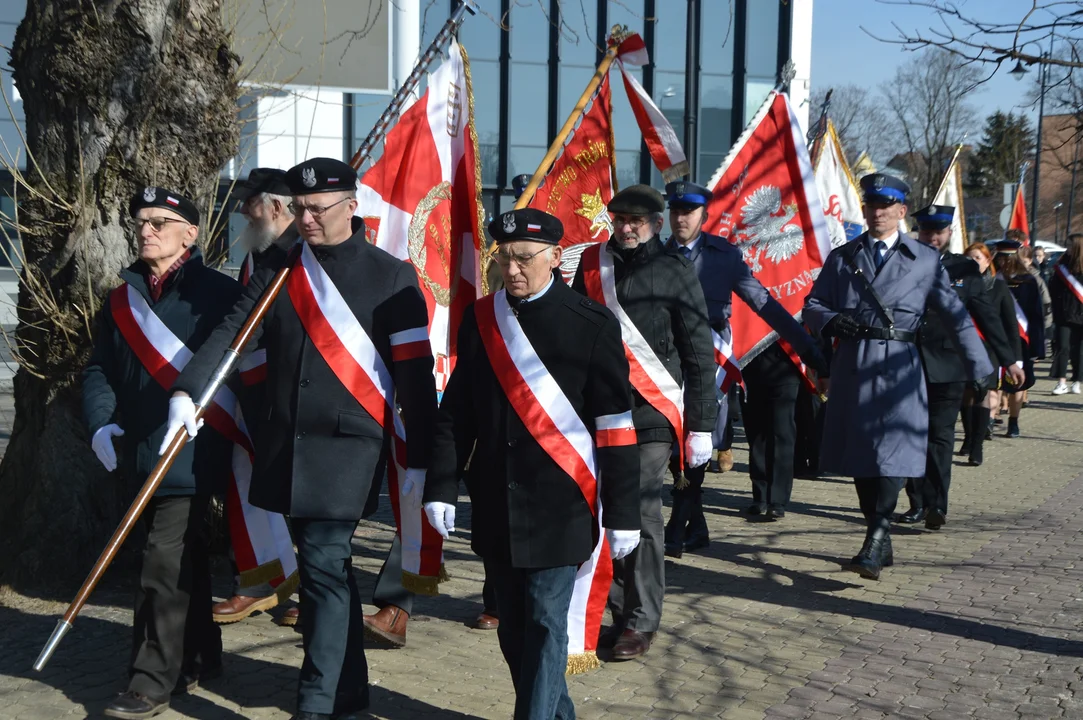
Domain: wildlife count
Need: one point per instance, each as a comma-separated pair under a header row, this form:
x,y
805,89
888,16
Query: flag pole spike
x,y
616,35
816,134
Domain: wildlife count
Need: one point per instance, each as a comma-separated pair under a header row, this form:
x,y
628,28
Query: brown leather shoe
x,y
388,625
290,618
487,621
632,644
239,607
725,460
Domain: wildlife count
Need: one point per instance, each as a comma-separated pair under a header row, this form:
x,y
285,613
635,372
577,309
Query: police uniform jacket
x,y
939,346
525,509
722,272
317,450
662,296
118,389
878,406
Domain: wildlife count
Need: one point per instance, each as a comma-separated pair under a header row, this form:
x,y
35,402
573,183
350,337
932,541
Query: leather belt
x,y
867,332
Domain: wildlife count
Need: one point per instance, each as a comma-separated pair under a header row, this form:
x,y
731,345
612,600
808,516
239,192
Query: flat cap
x,y
884,188
263,180
526,224
637,200
320,175
935,217
156,197
681,193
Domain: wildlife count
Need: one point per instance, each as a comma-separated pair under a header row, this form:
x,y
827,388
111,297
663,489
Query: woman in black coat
x,y
1065,286
1028,300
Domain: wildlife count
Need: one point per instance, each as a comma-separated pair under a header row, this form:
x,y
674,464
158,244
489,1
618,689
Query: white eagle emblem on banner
x,y
764,232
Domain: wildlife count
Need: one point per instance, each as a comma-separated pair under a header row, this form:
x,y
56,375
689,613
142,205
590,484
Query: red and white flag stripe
x,y
410,344
648,375
633,50
353,357
1070,280
614,430
728,371
253,367
554,424
261,542
1021,318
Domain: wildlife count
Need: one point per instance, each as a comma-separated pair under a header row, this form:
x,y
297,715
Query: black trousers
x,y
389,589
809,422
772,382
931,491
334,674
877,497
686,519
173,628
1068,345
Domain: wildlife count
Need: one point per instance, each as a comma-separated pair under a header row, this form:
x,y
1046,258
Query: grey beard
x,y
255,239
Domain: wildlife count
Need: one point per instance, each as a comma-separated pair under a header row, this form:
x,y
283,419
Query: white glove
x,y
102,444
182,412
621,542
411,489
697,449
442,517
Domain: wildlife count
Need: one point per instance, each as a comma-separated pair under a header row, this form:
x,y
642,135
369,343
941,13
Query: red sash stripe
x,y
614,430
410,344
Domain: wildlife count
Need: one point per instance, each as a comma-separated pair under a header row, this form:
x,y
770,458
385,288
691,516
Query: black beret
x,y
935,217
156,197
526,224
637,200
884,188
320,175
687,194
519,183
263,180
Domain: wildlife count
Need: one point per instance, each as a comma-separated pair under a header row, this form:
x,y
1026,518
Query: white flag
x,y
838,191
951,193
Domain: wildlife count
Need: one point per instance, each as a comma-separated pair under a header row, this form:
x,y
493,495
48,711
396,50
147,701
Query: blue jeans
x,y
533,608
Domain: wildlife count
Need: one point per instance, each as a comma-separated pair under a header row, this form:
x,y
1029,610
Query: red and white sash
x,y
261,542
554,424
1021,318
248,266
352,356
647,374
727,372
1070,280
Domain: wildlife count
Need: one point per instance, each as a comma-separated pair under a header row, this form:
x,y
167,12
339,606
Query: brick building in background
x,y
1062,150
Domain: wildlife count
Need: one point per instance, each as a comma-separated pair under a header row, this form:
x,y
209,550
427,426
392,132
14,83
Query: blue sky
x,y
843,53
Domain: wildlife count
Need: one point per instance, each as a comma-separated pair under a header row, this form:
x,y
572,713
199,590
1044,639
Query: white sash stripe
x,y
634,339
253,360
419,334
349,332
619,421
1074,285
544,388
156,331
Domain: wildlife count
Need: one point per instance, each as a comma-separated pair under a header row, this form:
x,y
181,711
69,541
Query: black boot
x,y
977,439
914,515
867,562
678,521
1013,428
887,554
964,449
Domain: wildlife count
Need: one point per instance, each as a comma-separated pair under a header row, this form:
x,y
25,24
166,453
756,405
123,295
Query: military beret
x,y
263,180
526,224
884,188
156,197
320,175
935,217
637,200
519,183
687,194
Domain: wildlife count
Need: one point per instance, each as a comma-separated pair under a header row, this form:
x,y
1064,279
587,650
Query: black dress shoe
x,y
868,562
914,515
887,553
608,637
632,644
351,705
776,512
754,509
936,519
135,706
674,550
696,543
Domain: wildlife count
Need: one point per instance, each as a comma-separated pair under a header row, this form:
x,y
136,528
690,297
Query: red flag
x,y
580,184
1019,215
764,194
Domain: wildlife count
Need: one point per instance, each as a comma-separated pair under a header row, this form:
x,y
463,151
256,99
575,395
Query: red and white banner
x,y
421,202
1018,220
766,203
727,372
554,424
353,357
1070,280
1021,318
662,143
648,375
261,542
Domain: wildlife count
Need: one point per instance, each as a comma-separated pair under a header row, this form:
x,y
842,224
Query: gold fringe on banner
x,y
423,584
261,575
288,587
582,662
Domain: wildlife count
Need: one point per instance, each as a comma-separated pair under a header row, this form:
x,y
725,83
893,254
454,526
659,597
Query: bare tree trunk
x,y
118,94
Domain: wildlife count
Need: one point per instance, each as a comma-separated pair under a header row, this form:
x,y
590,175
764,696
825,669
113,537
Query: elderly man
x,y
772,378
657,298
352,316
540,395
871,296
264,201
169,299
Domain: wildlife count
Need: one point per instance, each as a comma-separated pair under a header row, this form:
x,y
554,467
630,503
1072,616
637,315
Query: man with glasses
x,y
346,340
657,298
540,395
168,297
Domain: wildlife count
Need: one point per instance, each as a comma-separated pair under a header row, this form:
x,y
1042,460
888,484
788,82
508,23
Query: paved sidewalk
x,y
980,620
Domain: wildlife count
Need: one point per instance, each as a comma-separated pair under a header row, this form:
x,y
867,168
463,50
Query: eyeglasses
x,y
635,222
315,210
156,223
504,259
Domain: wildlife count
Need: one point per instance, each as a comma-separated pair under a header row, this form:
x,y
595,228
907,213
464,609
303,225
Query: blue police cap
x,y
884,188
935,217
681,193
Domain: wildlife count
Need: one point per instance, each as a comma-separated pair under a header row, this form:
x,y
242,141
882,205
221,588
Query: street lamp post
x,y
1056,222
1043,74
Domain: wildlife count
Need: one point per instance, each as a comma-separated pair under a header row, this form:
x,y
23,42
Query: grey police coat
x,y
877,407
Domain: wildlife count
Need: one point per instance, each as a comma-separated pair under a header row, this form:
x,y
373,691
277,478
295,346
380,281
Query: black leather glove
x,y
843,327
980,388
815,360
